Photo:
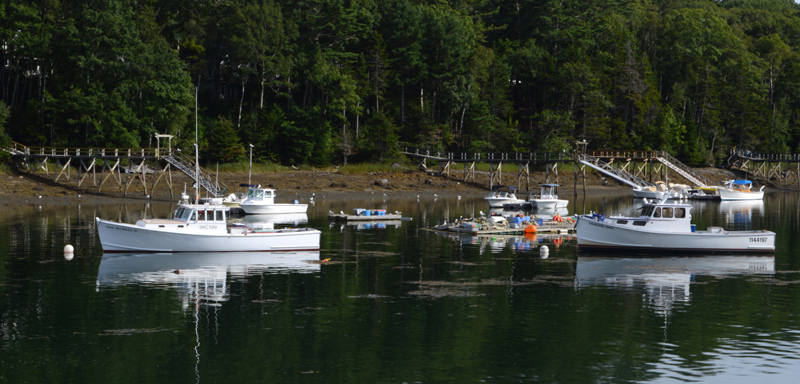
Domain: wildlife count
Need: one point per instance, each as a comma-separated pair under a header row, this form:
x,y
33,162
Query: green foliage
x,y
223,143
378,140
4,112
316,81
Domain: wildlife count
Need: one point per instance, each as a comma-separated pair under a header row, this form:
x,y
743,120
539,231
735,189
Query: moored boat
x,y
499,198
740,190
666,226
201,228
548,199
261,201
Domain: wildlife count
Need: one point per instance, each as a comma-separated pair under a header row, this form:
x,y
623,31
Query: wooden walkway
x,y
782,169
634,168
119,167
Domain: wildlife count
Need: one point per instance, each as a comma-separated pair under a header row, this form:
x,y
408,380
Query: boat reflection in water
x,y
365,225
738,214
666,280
199,276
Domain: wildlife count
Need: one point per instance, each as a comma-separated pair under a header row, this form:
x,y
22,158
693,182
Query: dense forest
x,y
332,81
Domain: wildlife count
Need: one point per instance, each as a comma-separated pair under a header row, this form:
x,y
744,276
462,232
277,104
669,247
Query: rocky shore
x,y
24,188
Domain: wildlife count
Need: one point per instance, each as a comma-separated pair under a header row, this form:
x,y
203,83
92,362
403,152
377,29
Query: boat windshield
x,y
211,215
665,212
258,193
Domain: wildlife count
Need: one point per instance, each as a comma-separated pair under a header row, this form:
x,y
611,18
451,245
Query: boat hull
x,y
499,202
266,209
599,236
549,203
120,237
726,194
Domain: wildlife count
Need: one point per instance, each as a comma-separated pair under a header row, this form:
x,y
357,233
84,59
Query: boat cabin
x,y
261,195
201,213
661,217
190,218
739,185
548,191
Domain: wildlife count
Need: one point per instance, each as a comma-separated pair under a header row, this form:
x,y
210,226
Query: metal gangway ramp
x,y
187,166
617,174
682,169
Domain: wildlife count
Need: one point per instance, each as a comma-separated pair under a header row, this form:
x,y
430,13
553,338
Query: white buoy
x,y
544,252
69,252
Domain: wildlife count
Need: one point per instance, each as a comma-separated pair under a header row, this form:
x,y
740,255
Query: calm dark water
x,y
397,303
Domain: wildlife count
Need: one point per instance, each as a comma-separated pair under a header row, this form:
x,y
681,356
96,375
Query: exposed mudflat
x,y
25,188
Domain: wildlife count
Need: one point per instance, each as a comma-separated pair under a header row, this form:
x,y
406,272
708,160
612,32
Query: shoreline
x,y
27,189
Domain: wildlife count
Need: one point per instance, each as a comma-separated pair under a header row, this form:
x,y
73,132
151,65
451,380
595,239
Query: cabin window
x,y
640,222
657,213
250,193
667,213
179,213
267,193
680,213
622,222
259,193
218,216
647,211
193,217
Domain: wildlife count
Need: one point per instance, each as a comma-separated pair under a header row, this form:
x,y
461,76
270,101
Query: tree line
x,y
332,81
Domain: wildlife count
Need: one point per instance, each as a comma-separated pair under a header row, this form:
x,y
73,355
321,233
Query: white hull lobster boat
x,y
201,228
666,227
740,190
261,201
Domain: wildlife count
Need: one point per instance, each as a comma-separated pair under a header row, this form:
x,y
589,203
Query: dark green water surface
x,y
398,303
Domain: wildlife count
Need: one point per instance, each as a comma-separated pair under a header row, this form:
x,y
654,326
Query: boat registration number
x,y
207,227
758,239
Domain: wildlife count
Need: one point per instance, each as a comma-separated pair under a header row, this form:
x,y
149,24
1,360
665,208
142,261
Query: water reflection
x,y
666,280
739,214
199,276
517,243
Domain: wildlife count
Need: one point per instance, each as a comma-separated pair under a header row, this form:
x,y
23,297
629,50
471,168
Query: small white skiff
x,y
201,228
666,227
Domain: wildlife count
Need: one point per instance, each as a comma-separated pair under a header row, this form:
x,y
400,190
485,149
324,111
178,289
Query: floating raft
x,y
546,227
360,214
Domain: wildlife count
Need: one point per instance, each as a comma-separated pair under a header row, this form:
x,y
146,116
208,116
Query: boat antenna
x,y
196,148
250,171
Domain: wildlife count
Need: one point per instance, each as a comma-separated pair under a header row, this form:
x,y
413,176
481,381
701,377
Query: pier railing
x,y
19,149
489,157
